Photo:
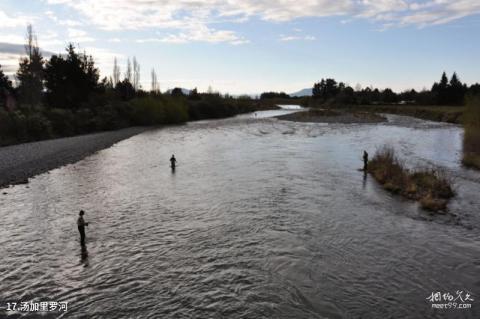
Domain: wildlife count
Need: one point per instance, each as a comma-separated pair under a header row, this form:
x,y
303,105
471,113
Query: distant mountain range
x,y
304,92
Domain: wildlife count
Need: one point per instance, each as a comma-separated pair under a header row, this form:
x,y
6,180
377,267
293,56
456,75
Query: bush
x,y
431,187
38,127
154,111
62,121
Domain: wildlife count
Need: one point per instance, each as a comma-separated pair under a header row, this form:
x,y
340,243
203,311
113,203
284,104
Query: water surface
x,y
261,219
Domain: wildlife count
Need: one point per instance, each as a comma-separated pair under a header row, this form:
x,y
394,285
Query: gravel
x,y
20,162
340,117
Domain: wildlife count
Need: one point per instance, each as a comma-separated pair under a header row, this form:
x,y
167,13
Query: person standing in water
x,y
173,161
81,227
365,160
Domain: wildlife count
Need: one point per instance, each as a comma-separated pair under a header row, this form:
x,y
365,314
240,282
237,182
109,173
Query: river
x,y
261,219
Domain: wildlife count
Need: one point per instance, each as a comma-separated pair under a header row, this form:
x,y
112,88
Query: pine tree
x,y
6,87
70,80
456,90
30,74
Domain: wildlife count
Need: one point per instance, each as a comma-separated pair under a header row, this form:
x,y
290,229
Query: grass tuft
x,y
432,188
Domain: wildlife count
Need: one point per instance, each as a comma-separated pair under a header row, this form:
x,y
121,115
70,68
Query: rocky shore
x,y
20,162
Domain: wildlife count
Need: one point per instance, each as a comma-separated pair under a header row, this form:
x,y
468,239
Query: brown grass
x,y
430,187
471,140
449,114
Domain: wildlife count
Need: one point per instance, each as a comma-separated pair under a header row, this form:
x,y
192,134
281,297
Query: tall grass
x,y
471,141
430,187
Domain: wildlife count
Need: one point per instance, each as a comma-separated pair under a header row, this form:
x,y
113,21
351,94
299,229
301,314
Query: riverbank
x,y
448,114
20,162
333,116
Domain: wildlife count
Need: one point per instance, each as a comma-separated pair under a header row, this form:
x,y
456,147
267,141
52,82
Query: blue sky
x,y
254,46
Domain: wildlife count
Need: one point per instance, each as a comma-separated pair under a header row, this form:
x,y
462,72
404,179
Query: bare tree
x,y
116,73
31,44
155,86
128,74
136,74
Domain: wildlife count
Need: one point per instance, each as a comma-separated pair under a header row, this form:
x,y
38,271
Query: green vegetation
x,y
64,96
430,187
444,102
329,92
449,114
471,142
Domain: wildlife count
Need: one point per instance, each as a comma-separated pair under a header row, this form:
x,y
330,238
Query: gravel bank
x,y
20,162
333,116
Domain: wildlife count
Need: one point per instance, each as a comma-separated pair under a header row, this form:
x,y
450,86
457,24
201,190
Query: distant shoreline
x,y
20,162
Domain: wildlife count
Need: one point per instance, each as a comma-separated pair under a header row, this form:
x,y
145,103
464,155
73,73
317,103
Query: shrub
x,y
38,127
161,110
431,187
62,121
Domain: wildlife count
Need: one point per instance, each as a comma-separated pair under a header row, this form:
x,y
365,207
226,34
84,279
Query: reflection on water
x,y
290,106
262,219
84,255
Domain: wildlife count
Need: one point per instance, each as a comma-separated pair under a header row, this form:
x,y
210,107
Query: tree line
x,y
64,95
445,92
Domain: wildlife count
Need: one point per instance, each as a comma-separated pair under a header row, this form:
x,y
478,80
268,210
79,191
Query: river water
x,y
261,219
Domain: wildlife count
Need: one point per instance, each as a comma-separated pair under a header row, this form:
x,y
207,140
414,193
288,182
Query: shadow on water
x,y
84,256
364,181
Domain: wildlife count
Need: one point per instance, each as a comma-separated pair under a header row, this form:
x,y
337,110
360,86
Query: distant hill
x,y
304,92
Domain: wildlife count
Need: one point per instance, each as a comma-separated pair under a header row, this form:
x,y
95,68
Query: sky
x,y
252,46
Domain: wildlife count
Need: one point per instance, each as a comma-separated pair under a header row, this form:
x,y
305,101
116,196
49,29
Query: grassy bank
x,y
449,114
471,142
430,187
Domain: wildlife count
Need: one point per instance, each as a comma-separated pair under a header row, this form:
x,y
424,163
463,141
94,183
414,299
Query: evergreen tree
x,y
70,80
6,87
30,74
5,83
456,91
440,90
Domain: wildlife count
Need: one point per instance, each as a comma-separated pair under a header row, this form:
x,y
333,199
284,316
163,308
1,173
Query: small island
x,y
333,116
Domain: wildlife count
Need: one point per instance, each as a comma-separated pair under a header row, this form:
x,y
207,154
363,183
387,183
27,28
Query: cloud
x,y
78,36
286,38
199,33
7,21
10,54
180,14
